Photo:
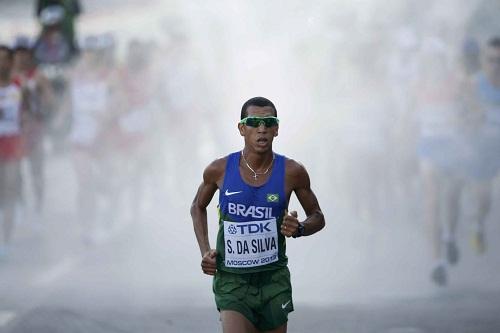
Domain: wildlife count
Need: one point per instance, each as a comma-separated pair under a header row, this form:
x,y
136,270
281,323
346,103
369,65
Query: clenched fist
x,y
209,262
290,224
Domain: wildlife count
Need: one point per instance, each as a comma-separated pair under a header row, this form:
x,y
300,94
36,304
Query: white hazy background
x,y
337,72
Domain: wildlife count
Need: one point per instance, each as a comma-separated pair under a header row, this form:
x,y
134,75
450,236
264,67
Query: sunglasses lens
x,y
256,121
270,122
253,122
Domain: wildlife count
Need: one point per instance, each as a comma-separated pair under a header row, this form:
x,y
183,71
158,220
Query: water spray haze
x,y
164,82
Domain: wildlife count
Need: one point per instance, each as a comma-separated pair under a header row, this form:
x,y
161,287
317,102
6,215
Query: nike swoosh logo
x,y
231,193
283,306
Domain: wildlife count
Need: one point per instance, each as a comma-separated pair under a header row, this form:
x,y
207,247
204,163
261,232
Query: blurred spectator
x,y
72,9
52,46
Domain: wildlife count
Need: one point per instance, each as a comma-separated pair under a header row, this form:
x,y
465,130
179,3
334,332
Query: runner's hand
x,y
208,262
290,224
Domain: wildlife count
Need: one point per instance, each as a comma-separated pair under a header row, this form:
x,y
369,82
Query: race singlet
x,y
489,99
438,119
89,100
89,96
249,220
10,109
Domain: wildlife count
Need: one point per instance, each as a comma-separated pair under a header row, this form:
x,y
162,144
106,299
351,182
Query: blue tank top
x,y
489,97
250,217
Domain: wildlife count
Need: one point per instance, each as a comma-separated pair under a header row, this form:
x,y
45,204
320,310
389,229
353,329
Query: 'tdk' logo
x,y
232,229
249,228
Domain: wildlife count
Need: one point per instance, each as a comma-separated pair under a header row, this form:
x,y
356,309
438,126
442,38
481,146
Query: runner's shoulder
x,y
215,170
294,169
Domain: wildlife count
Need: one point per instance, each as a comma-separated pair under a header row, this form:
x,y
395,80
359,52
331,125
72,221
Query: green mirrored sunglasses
x,y
257,121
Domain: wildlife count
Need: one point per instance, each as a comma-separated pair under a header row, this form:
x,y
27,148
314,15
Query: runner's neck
x,y
258,162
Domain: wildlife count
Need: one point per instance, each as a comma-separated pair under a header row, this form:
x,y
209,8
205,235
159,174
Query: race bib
x,y
250,244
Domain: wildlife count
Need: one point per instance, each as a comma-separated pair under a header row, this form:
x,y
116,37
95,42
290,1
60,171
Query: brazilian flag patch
x,y
273,197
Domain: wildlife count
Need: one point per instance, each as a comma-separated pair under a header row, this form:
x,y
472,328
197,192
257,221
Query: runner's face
x,y
259,139
5,64
22,59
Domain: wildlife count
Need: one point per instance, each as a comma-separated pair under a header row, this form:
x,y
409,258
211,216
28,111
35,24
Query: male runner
x,y
251,278
134,124
90,98
40,98
486,162
440,125
11,103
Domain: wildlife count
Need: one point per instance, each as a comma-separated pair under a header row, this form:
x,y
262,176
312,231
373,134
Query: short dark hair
x,y
494,42
257,101
7,49
22,43
22,49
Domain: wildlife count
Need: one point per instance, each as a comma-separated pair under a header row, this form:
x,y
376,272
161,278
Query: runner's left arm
x,y
301,185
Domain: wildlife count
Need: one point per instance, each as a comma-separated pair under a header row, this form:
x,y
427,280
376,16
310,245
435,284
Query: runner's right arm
x,y
212,178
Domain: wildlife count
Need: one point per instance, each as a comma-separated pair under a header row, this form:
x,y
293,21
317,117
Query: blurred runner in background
x,y
12,103
90,101
40,100
485,103
439,116
134,124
